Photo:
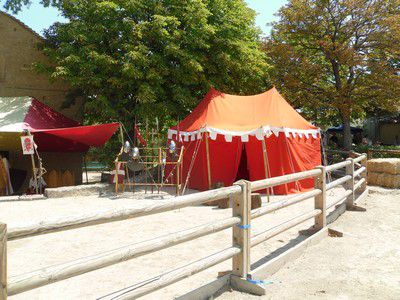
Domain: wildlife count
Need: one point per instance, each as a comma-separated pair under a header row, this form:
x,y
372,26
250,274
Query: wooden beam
x,y
339,199
365,173
334,233
349,185
3,261
320,200
266,183
158,282
266,163
246,285
208,162
265,235
34,173
208,290
116,176
274,264
335,214
67,223
337,166
359,184
282,203
38,278
241,234
342,180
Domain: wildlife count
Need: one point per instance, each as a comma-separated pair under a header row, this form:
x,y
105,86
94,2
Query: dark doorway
x,y
243,171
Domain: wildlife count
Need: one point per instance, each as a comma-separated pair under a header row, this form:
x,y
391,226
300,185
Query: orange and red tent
x,y
235,129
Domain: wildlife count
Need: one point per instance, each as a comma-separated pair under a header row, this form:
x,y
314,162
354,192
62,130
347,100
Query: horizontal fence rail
x,y
119,215
337,166
339,199
338,182
263,236
287,201
240,222
144,288
29,281
274,181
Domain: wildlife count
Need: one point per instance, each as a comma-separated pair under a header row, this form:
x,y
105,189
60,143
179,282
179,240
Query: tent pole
x,y
84,161
208,162
34,172
34,166
121,135
266,163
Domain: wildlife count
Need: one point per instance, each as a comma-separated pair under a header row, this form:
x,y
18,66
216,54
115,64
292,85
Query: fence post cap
x,y
241,182
322,168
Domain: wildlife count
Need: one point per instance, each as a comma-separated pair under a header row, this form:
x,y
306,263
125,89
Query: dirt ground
x,y
364,263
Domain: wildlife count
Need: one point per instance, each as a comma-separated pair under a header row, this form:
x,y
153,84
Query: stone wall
x,y
18,51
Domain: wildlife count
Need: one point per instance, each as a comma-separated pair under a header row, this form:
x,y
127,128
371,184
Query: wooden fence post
x,y
365,173
241,207
320,200
3,261
349,185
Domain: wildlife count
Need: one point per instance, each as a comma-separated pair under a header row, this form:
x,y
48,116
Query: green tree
x,y
337,57
150,58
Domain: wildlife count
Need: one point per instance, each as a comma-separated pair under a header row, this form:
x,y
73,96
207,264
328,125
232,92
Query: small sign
x,y
27,144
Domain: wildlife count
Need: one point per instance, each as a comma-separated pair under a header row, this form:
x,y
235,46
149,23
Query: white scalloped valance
x,y
259,133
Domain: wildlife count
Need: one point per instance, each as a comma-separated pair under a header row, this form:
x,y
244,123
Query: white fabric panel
x,y
245,138
228,138
213,135
260,133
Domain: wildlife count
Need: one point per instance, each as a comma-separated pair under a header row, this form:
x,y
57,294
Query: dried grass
x,y
384,179
384,165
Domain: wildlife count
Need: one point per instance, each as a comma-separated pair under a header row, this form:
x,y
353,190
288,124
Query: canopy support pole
x,y
208,162
266,163
84,161
34,167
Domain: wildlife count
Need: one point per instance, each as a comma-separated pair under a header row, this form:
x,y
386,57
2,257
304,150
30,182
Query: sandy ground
x,y
367,264
363,264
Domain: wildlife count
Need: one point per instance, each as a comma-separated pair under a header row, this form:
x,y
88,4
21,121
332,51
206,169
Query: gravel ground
x,y
365,259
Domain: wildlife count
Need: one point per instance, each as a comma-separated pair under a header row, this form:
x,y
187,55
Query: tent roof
x,y
26,113
52,130
220,113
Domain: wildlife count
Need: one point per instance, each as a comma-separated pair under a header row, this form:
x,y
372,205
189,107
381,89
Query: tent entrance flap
x,y
243,171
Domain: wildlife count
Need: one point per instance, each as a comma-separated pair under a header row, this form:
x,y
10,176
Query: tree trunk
x,y
347,140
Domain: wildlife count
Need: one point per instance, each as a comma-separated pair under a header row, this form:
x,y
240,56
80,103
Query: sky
x,y
39,18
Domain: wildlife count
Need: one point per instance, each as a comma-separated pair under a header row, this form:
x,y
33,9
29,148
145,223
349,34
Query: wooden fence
x,y
240,251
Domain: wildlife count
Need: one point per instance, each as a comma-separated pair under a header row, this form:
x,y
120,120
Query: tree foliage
x,y
338,57
150,58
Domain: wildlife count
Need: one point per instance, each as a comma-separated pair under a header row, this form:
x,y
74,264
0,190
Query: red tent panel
x,y
41,116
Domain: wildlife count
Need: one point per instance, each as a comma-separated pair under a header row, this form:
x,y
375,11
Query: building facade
x,y
19,49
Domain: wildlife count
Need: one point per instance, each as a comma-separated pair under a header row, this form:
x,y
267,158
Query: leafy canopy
x,y
154,58
338,58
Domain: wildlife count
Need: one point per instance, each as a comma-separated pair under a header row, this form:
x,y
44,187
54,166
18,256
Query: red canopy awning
x,y
52,130
74,139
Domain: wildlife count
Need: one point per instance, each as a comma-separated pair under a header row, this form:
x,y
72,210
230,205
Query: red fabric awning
x,y
74,139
